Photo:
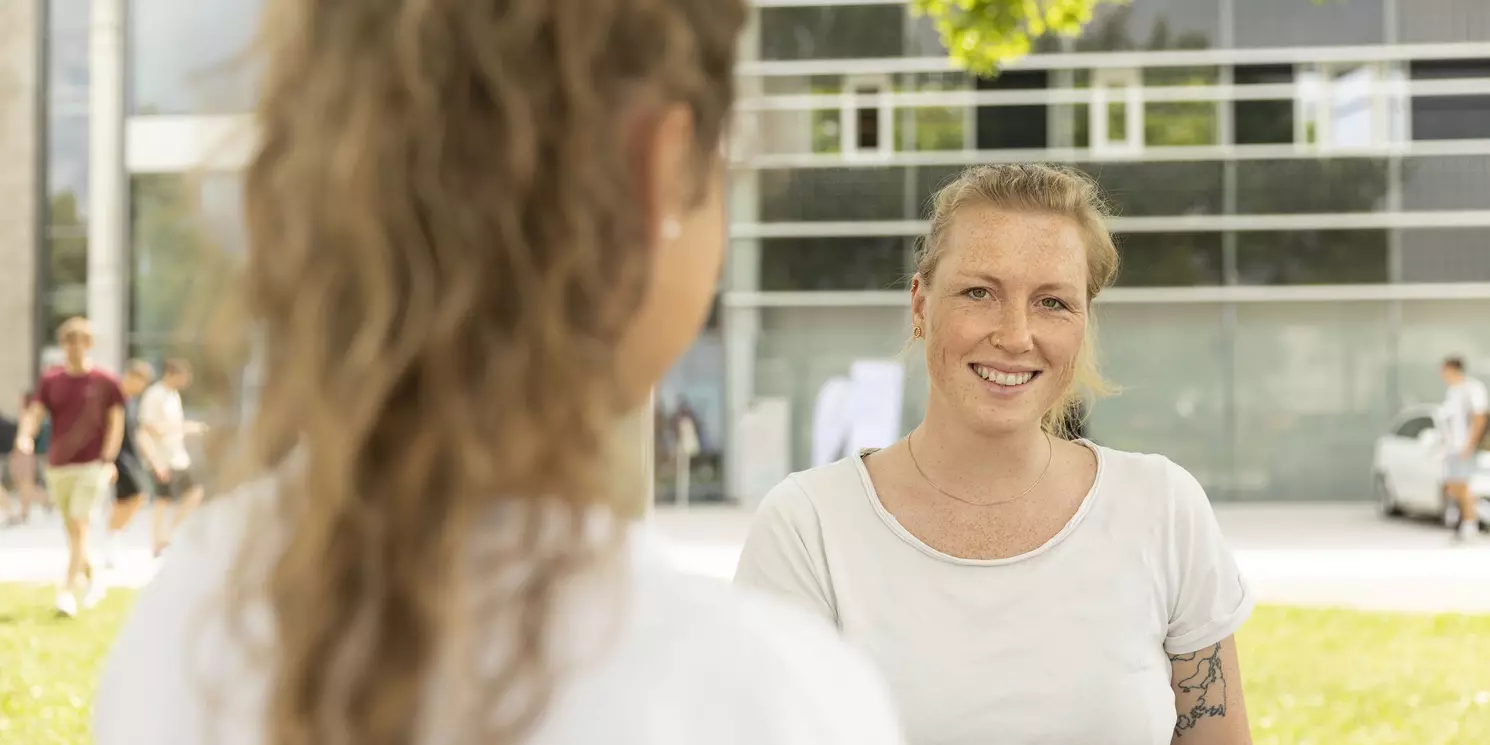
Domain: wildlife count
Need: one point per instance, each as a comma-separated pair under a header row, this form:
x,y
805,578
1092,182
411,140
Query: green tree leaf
x,y
983,35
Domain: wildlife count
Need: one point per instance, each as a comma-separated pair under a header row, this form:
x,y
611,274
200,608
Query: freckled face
x,y
1004,314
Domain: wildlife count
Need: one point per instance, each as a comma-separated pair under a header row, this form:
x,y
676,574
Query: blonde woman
x,y
1016,587
480,231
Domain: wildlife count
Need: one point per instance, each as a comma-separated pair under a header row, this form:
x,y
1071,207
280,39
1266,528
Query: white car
x,y
1408,468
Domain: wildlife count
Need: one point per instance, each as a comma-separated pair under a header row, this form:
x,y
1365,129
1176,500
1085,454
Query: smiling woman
x,y
998,572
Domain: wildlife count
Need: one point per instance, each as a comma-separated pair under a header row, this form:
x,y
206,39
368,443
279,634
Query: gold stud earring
x,y
915,332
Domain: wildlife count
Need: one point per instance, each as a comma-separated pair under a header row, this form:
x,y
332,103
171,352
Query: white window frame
x,y
1130,80
1317,85
848,118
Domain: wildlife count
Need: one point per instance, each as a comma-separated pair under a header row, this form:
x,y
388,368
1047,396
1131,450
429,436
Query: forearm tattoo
x,y
1201,685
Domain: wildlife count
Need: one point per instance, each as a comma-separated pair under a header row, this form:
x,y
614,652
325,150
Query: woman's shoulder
x,y
818,489
1149,476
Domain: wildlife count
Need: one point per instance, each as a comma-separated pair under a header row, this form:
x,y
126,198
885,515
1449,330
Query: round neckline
x,y
872,494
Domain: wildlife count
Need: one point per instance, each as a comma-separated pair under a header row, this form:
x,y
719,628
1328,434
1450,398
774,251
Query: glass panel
x,y
1266,187
1312,257
1170,363
933,127
791,195
66,293
1014,127
181,227
801,349
1263,122
1459,182
869,263
841,31
1153,24
67,55
1117,120
1160,188
1444,20
1433,330
1446,255
191,58
1311,397
1450,117
1289,23
1167,76
1170,259
1180,124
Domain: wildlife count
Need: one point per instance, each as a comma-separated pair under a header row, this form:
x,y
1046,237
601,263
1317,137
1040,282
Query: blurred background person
x,y
1465,407
995,570
164,429
137,464
480,232
86,408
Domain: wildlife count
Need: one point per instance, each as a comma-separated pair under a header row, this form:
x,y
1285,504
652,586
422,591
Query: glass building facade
x,y
1303,211
1302,190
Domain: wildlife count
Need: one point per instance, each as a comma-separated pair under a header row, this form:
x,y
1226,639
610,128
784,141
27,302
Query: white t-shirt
x,y
670,660
1462,403
161,411
1068,643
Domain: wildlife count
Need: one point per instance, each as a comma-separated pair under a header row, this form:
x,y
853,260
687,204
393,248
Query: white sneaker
x,y
95,592
67,603
1468,532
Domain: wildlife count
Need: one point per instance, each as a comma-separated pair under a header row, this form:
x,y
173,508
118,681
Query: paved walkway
x,y
1333,555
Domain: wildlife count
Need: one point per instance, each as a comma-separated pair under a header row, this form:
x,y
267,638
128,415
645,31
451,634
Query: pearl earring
x,y
671,229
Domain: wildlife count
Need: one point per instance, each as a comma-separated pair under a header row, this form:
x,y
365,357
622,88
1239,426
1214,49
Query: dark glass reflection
x,y
1445,255
801,194
1161,188
1460,182
1443,21
1312,257
1263,122
1014,127
1310,186
868,263
1153,24
1291,23
834,32
1450,117
1170,259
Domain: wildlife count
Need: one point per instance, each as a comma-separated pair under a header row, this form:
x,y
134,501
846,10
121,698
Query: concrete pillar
x,y
21,148
108,187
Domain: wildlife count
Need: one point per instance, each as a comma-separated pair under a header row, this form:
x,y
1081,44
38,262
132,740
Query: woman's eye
x,y
1052,303
978,293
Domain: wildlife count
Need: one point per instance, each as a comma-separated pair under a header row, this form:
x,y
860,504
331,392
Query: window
x,y
191,58
1445,255
1290,23
1268,187
834,32
867,122
1339,108
1263,122
1414,427
868,263
1444,20
1116,111
1153,25
1450,117
1170,259
831,194
1014,127
1312,257
934,127
1180,123
66,233
1160,188
1446,183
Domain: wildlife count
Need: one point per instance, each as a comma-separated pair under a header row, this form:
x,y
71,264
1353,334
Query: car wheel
x,y
1386,501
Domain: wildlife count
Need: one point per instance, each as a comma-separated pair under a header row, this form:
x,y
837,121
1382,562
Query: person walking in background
x,y
86,407
137,465
1464,412
163,431
25,475
479,234
1015,586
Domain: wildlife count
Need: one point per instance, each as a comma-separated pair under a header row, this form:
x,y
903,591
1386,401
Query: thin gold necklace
x,y
1049,455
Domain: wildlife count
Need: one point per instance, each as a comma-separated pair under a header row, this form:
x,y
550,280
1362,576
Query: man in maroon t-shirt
x,y
87,411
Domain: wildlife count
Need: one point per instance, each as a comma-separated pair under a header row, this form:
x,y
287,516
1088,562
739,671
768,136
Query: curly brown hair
x,y
444,247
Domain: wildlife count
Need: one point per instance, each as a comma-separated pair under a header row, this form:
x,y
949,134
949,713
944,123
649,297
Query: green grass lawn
x,y
1313,676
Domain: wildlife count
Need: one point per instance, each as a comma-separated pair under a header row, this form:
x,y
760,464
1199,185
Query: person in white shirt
x,y
1016,587
164,428
1463,415
479,235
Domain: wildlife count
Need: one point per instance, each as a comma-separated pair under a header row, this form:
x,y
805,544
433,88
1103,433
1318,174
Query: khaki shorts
x,y
77,489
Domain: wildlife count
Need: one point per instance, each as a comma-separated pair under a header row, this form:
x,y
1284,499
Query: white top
x,y
666,660
1462,403
161,411
1068,643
